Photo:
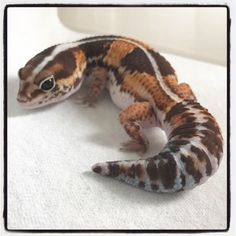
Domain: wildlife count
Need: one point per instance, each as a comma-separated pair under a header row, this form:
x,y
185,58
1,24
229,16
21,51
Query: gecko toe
x,y
86,101
134,146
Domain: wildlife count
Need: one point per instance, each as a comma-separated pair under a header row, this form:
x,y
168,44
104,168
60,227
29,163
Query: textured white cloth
x,y
51,150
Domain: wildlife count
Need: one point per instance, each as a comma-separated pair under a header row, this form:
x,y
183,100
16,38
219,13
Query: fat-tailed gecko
x,y
143,84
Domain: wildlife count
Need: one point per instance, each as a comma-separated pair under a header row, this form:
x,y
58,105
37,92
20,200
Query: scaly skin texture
x,y
144,85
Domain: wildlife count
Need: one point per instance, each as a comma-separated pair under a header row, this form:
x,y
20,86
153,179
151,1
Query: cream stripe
x,y
65,46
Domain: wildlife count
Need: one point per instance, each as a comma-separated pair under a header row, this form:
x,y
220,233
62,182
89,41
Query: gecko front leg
x,y
99,78
134,118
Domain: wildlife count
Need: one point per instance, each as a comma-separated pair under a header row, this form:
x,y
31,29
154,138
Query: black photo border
x,y
5,54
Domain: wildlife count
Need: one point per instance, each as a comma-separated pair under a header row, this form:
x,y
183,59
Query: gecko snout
x,y
22,98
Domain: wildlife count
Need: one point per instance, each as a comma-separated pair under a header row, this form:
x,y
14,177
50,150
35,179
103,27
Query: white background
x,y
184,31
63,38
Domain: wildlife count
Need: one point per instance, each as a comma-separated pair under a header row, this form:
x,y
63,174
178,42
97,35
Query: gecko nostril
x,y
22,98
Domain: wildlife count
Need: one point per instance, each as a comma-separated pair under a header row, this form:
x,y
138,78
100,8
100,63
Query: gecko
x,y
144,85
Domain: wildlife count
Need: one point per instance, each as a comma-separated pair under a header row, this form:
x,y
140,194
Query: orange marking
x,y
80,59
183,90
136,111
117,51
142,85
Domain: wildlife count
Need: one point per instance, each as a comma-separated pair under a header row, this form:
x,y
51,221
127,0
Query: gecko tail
x,y
192,154
130,171
155,174
115,168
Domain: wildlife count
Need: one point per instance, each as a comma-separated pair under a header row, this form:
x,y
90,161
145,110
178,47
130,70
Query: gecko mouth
x,y
38,102
30,105
27,103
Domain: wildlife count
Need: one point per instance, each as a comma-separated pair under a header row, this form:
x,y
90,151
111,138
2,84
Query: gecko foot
x,y
134,146
87,100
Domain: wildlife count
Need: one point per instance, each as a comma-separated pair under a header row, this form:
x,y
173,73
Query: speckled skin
x,y
144,85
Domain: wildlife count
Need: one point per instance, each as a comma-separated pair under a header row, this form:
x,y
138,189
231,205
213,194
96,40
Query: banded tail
x,y
192,154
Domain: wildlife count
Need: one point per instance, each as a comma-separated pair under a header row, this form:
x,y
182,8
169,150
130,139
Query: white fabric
x,y
51,151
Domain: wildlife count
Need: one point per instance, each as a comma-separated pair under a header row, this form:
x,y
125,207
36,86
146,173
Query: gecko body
x,y
144,86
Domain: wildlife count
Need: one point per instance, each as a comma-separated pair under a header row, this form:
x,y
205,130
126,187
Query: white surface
x,y
51,150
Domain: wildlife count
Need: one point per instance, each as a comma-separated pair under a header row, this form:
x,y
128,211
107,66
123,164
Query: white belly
x,y
120,99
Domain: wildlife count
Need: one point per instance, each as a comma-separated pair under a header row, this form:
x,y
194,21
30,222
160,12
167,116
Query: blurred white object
x,y
195,32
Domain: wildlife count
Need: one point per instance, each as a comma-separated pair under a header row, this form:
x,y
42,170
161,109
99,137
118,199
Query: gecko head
x,y
49,77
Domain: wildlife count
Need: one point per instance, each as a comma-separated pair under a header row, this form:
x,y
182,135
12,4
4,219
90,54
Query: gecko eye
x,y
47,84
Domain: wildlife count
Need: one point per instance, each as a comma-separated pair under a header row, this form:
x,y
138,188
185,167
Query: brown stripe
x,y
168,172
137,61
188,128
213,144
211,126
183,179
164,66
65,58
179,142
131,171
114,169
95,49
152,170
189,166
188,114
202,156
179,108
